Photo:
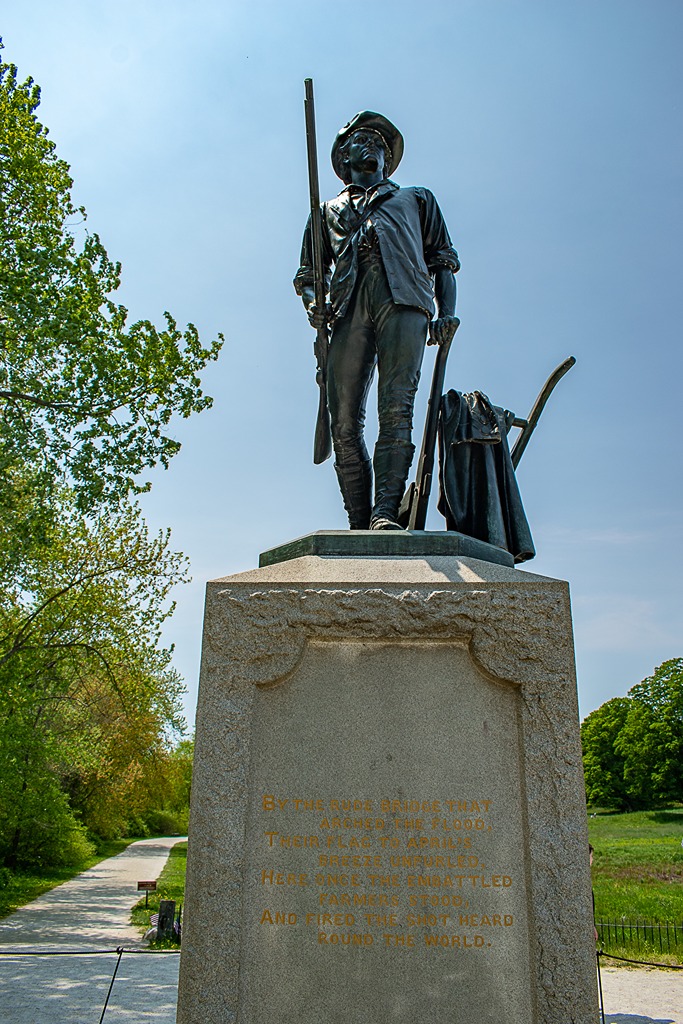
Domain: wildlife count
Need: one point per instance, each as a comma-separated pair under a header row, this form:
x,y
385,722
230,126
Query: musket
x,y
529,424
413,511
322,445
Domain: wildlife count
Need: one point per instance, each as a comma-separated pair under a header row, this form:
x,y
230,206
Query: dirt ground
x,y
642,995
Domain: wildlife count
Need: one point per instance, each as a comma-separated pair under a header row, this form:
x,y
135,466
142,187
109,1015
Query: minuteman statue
x,y
387,257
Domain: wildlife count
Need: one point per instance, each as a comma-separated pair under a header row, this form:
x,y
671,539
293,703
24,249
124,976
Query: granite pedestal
x,y
388,819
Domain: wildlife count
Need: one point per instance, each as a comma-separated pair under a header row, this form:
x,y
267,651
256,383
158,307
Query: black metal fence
x,y
641,934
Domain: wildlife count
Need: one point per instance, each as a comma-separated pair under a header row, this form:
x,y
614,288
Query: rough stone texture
x,y
279,645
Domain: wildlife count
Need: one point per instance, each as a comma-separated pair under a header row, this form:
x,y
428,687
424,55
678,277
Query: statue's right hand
x,y
320,319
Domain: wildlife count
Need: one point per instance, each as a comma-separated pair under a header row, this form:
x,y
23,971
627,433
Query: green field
x,y
638,875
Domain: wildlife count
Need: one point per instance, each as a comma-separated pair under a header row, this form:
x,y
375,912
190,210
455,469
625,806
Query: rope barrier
x,y
119,951
176,952
155,952
602,1001
644,963
83,952
111,983
58,952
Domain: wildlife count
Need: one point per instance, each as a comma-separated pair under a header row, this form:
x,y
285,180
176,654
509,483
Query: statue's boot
x,y
355,484
392,463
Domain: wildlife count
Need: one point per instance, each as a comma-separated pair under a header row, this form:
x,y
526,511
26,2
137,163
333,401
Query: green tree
x,y
118,758
87,698
167,789
178,776
603,766
651,741
84,396
89,706
633,745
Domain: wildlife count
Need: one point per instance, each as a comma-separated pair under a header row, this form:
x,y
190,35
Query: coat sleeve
x,y
438,248
304,276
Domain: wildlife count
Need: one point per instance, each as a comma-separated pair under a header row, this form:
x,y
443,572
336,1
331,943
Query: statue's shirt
x,y
409,229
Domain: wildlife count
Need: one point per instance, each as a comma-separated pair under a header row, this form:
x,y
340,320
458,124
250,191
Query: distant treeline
x,y
633,745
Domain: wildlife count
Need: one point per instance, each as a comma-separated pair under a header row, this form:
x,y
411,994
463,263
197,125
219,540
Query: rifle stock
x,y
322,444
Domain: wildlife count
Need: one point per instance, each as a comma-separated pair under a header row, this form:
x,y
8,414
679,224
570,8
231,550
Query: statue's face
x,y
365,151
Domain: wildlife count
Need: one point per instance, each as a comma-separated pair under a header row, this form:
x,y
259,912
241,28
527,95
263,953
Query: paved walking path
x,y
642,996
91,912
88,912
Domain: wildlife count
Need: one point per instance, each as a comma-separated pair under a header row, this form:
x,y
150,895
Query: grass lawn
x,y
25,886
170,886
638,873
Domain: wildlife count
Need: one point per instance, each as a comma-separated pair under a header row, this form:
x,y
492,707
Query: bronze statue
x,y
388,266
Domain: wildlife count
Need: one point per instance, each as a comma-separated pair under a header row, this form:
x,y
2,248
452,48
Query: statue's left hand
x,y
442,330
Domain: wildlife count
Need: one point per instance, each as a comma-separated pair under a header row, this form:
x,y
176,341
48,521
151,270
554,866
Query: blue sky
x,y
551,135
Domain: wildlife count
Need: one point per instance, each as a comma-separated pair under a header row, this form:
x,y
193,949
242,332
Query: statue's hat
x,y
378,123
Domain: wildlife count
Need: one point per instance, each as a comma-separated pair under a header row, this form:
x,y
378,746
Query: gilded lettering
x,y
360,823
279,878
435,900
427,861
354,880
323,920
410,806
486,920
345,939
436,881
381,920
454,941
428,920
468,806
280,918
438,842
358,899
398,940
350,805
349,842
349,861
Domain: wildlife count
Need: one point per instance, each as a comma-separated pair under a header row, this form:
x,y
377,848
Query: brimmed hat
x,y
378,123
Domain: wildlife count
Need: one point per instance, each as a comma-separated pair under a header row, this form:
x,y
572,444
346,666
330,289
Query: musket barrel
x,y
322,445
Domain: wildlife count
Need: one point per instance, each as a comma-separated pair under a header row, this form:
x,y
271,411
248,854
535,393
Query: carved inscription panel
x,y
385,873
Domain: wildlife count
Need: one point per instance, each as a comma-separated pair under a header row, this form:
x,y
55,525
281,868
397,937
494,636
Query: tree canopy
x,y
85,396
88,700
90,712
633,745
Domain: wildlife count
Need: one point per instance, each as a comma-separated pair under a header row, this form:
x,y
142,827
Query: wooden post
x,y
166,917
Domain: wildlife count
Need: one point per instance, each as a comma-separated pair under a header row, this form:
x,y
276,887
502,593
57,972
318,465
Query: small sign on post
x,y
147,887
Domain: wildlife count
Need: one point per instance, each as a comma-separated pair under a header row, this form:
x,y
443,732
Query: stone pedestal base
x,y
388,818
